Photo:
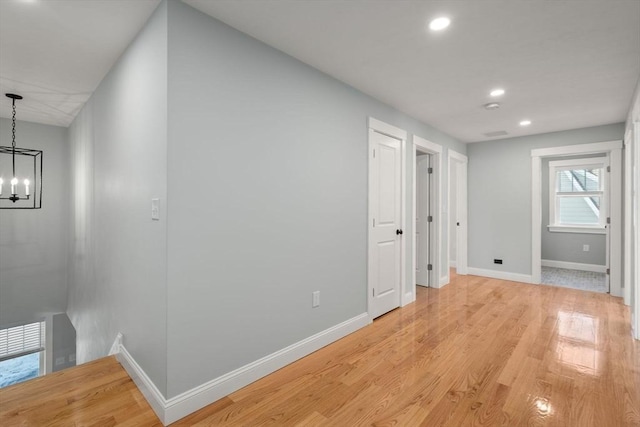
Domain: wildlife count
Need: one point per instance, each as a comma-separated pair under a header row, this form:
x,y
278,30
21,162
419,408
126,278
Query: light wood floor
x,y
480,352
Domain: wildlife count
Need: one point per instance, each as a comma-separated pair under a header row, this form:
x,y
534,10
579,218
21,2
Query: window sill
x,y
576,229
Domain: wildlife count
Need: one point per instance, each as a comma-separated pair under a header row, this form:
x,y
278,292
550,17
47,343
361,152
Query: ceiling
x,y
564,64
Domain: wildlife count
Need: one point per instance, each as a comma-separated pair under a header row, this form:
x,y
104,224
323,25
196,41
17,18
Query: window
x,y
21,353
578,195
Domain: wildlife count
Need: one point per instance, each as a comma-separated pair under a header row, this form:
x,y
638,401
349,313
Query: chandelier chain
x,y
13,125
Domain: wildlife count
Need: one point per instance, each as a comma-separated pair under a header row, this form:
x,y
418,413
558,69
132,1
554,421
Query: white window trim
x,y
561,165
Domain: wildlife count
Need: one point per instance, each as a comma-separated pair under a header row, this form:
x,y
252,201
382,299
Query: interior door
x,y
386,222
423,220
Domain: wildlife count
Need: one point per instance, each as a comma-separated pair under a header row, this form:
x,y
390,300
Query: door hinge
x,y
374,153
608,220
374,292
429,267
608,271
374,223
430,170
429,218
608,168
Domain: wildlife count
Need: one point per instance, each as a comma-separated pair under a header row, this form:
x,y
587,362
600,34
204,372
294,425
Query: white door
x,y
385,228
423,223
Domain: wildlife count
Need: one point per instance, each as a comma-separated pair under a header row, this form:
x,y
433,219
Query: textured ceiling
x,y
564,64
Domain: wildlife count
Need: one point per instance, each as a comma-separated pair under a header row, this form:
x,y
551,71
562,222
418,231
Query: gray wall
x,y
33,257
500,194
568,246
118,254
267,185
64,342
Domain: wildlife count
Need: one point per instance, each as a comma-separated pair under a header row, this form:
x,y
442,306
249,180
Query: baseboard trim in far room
x,y
574,266
175,408
504,275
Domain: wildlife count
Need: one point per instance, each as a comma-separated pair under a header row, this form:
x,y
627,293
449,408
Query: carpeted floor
x,y
576,279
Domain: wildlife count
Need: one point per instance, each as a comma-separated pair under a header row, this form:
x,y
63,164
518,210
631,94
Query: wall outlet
x,y
315,299
155,209
585,248
497,261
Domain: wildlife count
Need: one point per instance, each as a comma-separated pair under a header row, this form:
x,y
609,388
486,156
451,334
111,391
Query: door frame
x,y
435,194
401,135
628,212
462,267
613,149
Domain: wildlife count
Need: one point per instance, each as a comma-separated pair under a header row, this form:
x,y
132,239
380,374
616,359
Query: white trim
x,y
452,263
403,226
503,275
207,393
628,212
536,219
615,228
148,389
576,229
636,228
428,147
171,410
574,266
444,280
577,149
565,166
613,150
387,129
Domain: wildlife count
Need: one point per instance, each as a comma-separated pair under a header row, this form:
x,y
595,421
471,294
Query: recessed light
x,y
525,123
492,106
439,24
497,92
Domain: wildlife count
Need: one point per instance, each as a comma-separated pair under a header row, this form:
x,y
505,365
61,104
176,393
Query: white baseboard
x,y
444,280
171,410
574,266
408,298
148,389
452,264
504,275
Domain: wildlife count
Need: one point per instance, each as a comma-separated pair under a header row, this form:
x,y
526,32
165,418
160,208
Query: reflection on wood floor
x,y
479,351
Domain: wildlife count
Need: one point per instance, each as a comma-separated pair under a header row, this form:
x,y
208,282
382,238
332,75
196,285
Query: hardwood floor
x,y
479,352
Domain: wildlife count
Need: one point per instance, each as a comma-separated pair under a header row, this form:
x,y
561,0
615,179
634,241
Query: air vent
x,y
496,133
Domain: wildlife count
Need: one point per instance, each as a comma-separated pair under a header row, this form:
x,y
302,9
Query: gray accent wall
x,y
267,187
119,162
568,247
260,165
500,194
33,255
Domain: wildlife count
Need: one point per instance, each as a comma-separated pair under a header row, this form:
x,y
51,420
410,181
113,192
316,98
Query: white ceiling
x,y
564,64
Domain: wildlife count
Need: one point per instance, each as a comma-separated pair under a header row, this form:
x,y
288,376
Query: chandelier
x,y
20,172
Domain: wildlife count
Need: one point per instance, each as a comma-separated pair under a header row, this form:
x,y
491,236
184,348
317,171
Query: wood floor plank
x,y
478,352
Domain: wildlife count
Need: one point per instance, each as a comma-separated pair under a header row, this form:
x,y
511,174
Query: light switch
x,y
155,209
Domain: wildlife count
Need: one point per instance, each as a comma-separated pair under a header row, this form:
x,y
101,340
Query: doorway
x,y
427,213
613,151
457,214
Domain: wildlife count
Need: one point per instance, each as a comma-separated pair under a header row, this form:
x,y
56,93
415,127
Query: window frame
x,y
572,164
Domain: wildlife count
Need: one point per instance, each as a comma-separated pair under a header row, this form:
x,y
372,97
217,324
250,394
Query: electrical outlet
x,y
497,261
316,299
585,248
155,209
